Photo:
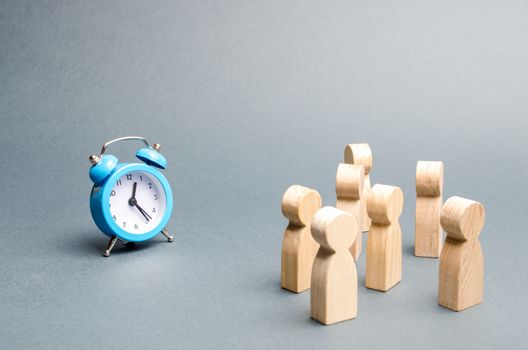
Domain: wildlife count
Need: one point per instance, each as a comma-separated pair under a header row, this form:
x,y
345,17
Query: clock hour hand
x,y
145,214
133,203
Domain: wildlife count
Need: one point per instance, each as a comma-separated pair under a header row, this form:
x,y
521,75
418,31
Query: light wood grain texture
x,y
333,297
427,230
384,243
360,154
461,270
349,193
299,205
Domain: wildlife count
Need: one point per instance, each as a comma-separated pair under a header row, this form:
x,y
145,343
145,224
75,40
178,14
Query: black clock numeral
x,y
140,178
114,217
118,182
153,210
150,185
112,193
129,176
124,223
155,197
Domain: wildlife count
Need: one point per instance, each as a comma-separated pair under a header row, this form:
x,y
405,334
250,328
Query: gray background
x,y
247,98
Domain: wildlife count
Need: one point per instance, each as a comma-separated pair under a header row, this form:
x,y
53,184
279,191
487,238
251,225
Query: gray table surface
x,y
247,98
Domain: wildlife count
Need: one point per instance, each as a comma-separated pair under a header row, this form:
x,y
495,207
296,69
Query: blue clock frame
x,y
104,173
100,208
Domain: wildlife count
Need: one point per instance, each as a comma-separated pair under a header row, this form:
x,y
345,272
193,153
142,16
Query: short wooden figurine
x,y
299,205
333,297
428,232
360,154
349,192
384,243
461,270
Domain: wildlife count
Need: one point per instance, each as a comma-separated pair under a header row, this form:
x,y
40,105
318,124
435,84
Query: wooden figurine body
x,y
360,154
384,243
461,269
428,232
299,204
333,296
349,192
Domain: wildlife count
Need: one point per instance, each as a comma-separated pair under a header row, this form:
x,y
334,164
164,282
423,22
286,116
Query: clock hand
x,y
144,211
132,200
134,190
145,214
133,203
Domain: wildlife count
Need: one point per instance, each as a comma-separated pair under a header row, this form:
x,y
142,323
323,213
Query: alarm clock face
x,y
137,202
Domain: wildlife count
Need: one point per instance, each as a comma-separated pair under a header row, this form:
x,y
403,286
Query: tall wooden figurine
x,y
428,232
384,242
333,297
461,270
299,205
360,154
349,192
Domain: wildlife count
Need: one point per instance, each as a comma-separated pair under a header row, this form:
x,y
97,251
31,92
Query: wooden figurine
x,y
299,205
428,232
349,192
384,243
360,154
333,297
461,270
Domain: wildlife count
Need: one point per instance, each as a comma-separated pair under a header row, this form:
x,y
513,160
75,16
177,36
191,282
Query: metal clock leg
x,y
111,244
167,234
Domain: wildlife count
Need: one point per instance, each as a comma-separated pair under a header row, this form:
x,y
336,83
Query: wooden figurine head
x,y
334,229
429,178
299,204
360,154
385,204
349,181
462,218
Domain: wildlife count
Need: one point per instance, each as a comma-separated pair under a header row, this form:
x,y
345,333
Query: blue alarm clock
x,y
131,202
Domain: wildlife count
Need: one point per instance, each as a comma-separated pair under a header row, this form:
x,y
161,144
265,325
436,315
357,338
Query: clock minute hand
x,y
134,190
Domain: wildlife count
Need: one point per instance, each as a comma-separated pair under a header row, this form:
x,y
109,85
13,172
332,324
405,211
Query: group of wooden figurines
x,y
321,245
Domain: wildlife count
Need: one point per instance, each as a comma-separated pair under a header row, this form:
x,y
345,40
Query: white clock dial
x,y
138,212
